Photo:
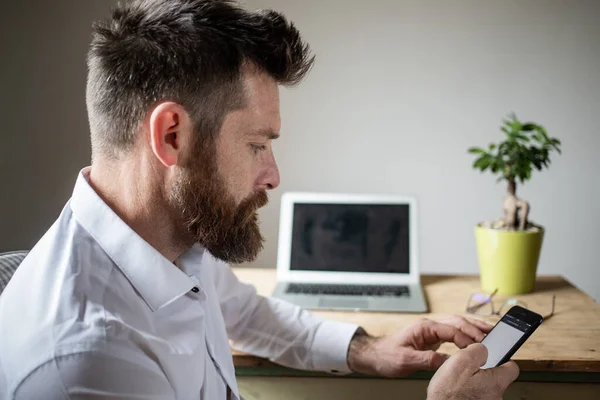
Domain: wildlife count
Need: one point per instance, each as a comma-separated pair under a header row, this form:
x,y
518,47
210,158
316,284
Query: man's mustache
x,y
248,207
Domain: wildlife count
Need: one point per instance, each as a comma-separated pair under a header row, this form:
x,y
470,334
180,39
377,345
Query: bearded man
x,y
129,294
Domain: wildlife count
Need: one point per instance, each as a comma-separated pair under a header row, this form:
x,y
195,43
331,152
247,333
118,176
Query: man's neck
x,y
134,191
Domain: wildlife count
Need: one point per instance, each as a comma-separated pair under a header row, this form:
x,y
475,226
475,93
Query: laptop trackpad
x,y
345,303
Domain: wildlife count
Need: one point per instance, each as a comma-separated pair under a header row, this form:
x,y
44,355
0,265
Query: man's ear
x,y
169,131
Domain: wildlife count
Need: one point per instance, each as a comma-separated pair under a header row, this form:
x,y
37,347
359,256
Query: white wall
x,y
401,89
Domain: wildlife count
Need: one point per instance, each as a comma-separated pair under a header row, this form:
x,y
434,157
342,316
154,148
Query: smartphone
x,y
509,334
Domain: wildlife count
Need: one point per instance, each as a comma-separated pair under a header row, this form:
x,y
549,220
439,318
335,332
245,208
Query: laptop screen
x,y
350,238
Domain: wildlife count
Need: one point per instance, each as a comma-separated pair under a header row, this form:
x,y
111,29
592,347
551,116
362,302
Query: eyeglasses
x,y
482,304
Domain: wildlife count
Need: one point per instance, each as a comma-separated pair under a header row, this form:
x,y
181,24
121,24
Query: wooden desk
x,y
564,352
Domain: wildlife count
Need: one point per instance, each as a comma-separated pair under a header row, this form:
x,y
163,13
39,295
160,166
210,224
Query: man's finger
x,y
424,360
505,374
438,332
470,330
467,326
482,325
436,360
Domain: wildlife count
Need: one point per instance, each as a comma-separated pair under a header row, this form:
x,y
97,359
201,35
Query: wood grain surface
x,y
568,341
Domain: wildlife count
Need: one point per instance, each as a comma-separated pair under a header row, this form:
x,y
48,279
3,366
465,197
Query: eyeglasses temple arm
x,y
476,307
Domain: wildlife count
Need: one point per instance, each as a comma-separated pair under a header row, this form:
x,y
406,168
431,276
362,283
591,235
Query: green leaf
x,y
481,163
525,147
537,164
542,132
516,125
476,150
497,164
556,143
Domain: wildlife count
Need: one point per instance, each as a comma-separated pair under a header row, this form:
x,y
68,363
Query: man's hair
x,y
187,51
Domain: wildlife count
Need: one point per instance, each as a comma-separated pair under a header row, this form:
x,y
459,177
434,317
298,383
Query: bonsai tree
x,y
526,146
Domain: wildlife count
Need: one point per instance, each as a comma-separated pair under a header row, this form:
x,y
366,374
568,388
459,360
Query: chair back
x,y
8,265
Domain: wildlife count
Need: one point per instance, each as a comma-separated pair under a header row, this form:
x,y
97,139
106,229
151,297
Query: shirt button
x,y
195,289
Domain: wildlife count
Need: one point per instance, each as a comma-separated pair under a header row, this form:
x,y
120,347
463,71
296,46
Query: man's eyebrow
x,y
268,133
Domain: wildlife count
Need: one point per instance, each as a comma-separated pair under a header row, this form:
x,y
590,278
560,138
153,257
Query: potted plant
x,y
508,248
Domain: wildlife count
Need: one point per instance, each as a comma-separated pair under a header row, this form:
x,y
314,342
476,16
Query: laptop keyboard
x,y
347,290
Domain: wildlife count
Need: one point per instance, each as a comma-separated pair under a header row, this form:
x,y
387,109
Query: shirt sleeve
x,y
280,331
94,376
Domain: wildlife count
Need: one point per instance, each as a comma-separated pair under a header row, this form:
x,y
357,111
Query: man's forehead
x,y
255,121
262,91
259,117
261,114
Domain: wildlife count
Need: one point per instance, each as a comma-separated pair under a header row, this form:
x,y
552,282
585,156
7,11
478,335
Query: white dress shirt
x,y
95,312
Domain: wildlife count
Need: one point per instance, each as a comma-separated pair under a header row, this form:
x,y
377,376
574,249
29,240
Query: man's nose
x,y
270,177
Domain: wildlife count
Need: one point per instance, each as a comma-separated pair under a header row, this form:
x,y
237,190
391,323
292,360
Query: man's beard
x,y
210,215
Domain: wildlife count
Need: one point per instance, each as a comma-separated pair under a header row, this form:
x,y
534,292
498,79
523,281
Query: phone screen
x,y
503,337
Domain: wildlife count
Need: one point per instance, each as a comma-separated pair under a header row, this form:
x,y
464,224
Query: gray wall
x,y
402,88
399,91
45,135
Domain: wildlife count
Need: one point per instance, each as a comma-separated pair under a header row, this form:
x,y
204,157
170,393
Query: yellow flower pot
x,y
508,259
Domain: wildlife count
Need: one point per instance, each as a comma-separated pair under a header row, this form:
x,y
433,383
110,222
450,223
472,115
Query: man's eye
x,y
256,148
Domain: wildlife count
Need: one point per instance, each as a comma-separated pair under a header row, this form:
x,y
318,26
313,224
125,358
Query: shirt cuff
x,y
330,346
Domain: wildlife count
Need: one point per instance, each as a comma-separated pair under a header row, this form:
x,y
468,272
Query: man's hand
x,y
461,377
413,348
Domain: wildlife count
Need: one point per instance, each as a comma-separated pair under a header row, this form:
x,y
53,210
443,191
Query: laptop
x,y
340,251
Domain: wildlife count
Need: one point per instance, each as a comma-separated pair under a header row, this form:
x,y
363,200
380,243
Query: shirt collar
x,y
158,280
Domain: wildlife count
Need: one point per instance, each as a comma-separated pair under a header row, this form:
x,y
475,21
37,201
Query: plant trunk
x,y
512,206
511,211
512,187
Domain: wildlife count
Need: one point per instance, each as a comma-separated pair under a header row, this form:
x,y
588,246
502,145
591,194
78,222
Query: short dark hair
x,y
187,51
